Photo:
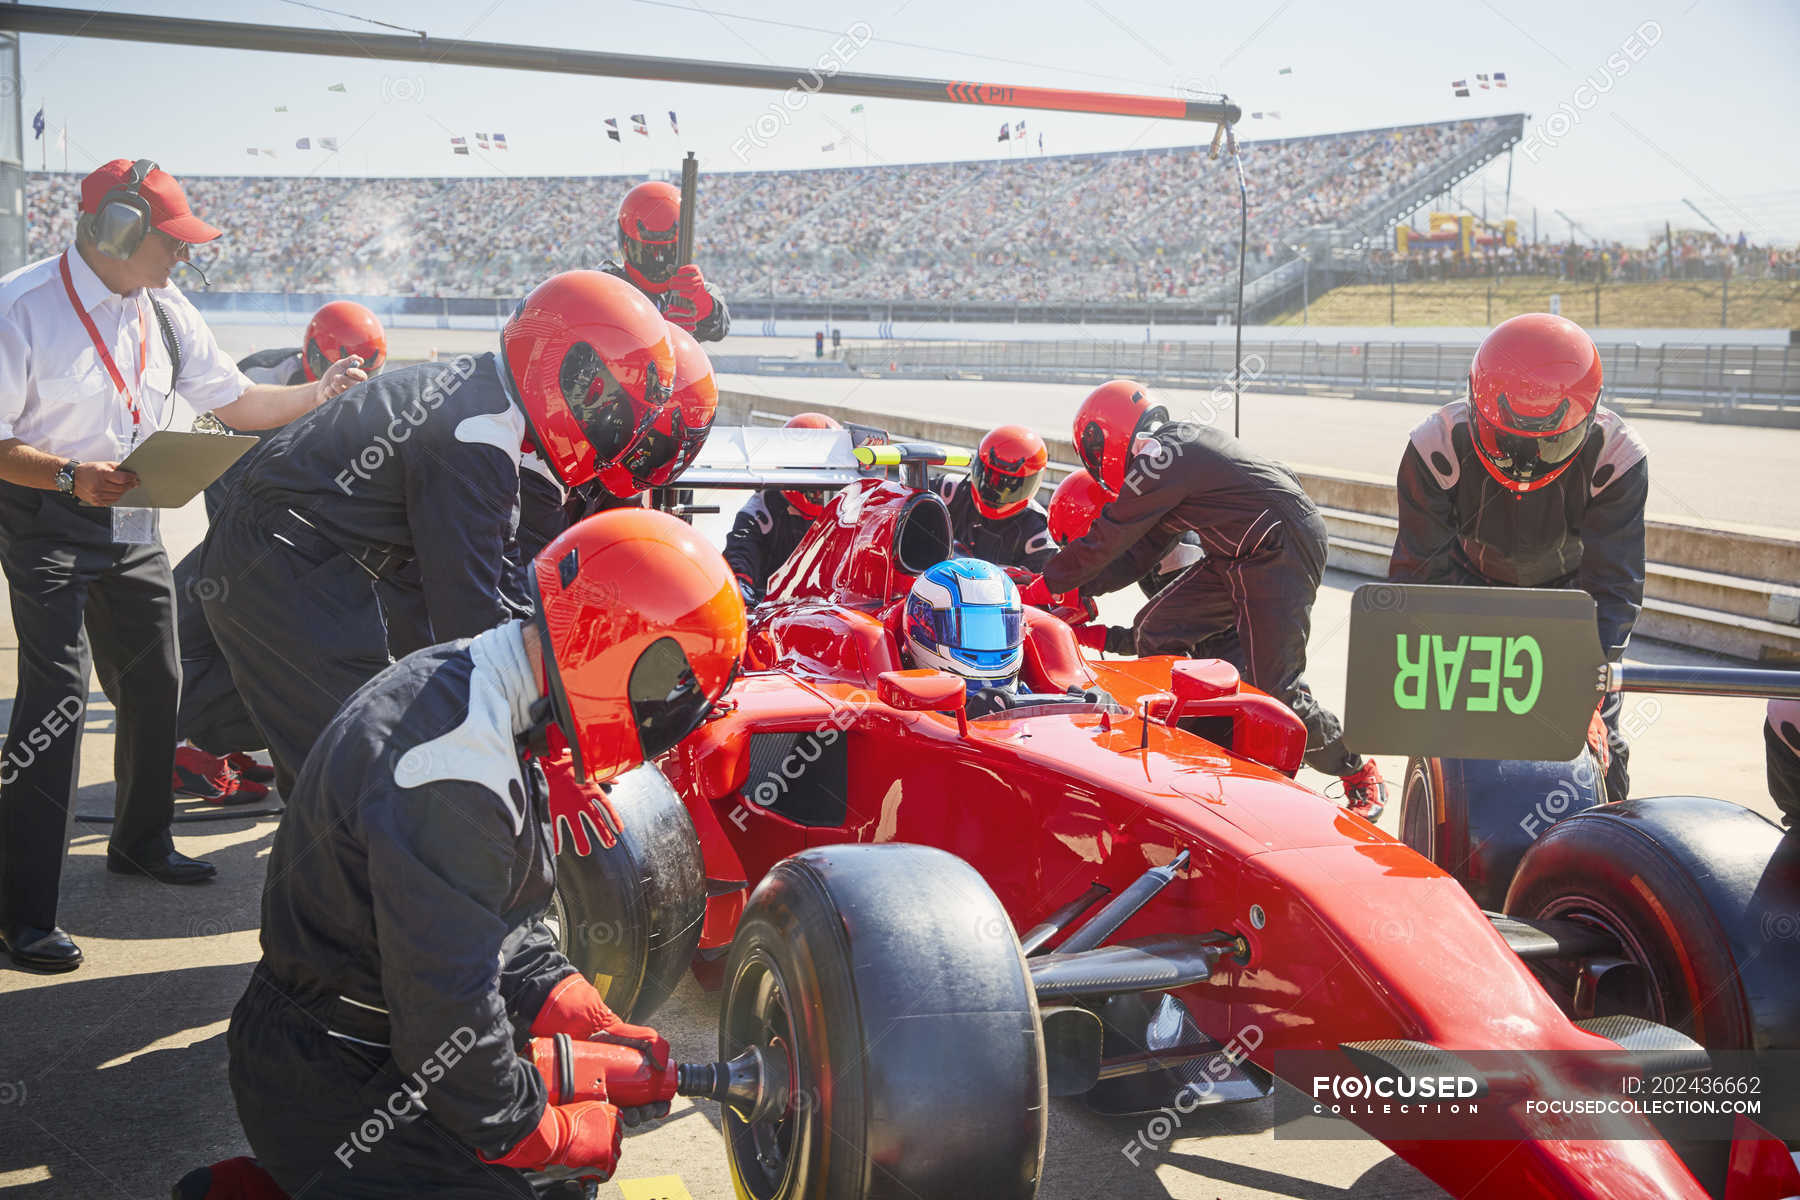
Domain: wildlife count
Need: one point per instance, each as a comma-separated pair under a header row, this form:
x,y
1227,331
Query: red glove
x,y
1019,575
690,302
585,1136
574,1007
1093,637
583,807
1596,737
1035,593
598,1071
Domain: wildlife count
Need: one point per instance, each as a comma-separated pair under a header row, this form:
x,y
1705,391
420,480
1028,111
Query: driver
x,y
405,963
964,616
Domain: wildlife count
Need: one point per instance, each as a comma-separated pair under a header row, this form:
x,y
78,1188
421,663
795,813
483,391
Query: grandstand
x,y
1156,226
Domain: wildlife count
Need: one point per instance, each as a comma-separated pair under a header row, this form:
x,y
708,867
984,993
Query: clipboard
x,y
173,467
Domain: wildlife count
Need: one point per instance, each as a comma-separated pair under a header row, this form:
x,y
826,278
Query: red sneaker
x,y
248,768
1365,792
201,775
244,791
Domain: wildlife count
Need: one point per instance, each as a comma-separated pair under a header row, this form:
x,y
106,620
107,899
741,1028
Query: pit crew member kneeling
x,y
1557,500
1249,601
400,1035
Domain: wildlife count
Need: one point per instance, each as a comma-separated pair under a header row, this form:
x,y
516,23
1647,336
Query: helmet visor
x,y
667,701
1091,449
1524,458
997,490
982,628
655,261
611,418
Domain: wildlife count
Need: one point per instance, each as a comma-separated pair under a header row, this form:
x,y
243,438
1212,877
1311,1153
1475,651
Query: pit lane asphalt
x,y
112,1079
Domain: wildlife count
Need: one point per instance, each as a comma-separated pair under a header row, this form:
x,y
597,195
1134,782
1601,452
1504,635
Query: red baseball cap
x,y
168,203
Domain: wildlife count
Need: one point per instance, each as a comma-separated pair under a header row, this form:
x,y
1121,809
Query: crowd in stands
x,y
1157,224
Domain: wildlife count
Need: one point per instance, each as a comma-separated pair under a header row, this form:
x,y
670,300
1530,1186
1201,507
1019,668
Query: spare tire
x,y
1699,893
629,916
891,980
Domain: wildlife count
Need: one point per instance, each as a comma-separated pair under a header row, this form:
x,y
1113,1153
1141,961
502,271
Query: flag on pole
x,y
459,145
1040,141
281,108
612,128
1499,78
640,129
499,141
673,124
1019,131
37,124
639,125
326,143
856,108
1460,87
337,87
1285,71
613,134
250,150
638,119
1005,132
303,143
1482,82
481,140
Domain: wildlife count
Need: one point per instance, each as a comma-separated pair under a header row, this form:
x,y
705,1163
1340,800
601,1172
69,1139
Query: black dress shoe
x,y
166,866
42,949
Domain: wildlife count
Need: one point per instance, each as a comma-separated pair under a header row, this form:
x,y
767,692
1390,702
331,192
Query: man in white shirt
x,y
94,346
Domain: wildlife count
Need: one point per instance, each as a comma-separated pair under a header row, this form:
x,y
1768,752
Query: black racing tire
x,y
1476,818
1701,894
890,978
629,917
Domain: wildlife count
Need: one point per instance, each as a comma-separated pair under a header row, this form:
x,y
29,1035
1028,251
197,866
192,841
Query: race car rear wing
x,y
748,456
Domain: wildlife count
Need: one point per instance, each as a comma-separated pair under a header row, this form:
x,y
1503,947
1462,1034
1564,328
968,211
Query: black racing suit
x,y
1183,553
416,470
717,323
211,715
1584,529
1020,540
763,536
1249,601
374,1052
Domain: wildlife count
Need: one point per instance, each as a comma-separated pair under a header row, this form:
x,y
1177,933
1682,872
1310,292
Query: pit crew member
x,y
649,221
1073,507
418,470
1531,482
405,964
772,522
1249,600
994,513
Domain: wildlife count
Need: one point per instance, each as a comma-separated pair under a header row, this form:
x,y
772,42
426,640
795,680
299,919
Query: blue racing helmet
x,y
964,616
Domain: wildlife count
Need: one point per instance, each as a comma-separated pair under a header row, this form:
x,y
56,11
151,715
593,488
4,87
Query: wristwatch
x,y
65,477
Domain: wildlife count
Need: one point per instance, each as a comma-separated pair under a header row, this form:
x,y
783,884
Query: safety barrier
x,y
1737,384
1716,586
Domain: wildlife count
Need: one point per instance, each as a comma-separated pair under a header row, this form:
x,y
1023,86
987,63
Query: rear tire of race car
x,y
1476,818
1702,897
629,917
891,980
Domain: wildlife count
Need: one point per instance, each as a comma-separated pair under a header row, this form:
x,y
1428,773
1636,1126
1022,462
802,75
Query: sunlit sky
x,y
1703,109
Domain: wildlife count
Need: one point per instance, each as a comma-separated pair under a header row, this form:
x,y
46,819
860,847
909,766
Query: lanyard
x,y
112,368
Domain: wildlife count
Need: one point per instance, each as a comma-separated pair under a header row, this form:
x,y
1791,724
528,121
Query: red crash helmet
x,y
642,626
338,330
1107,425
649,222
590,363
675,434
1074,505
809,502
1533,389
1008,465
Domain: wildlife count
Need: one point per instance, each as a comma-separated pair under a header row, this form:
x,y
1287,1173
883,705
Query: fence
x,y
1746,384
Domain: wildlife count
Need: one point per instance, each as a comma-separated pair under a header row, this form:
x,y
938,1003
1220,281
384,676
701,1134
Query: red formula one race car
x,y
923,925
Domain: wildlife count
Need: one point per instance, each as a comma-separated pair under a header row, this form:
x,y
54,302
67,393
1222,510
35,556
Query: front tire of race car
x,y
890,980
1699,894
628,916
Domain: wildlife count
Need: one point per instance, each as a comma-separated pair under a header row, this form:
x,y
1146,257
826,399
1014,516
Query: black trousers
x,y
80,600
330,1118
212,714
1255,612
298,623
